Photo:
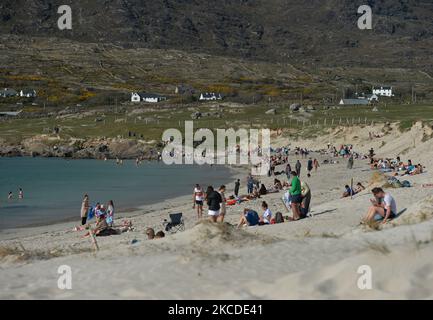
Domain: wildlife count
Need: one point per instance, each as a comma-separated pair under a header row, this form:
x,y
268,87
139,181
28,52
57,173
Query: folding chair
x,y
175,224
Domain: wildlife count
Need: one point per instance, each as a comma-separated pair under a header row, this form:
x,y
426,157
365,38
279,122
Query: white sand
x,y
314,258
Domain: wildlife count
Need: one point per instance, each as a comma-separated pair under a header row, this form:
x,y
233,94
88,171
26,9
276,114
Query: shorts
x,y
378,217
213,213
297,198
199,203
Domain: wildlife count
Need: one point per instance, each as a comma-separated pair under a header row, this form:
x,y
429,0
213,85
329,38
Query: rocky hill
x,y
311,31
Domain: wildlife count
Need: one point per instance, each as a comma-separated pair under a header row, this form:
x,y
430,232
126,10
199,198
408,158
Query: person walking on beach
x,y
20,194
237,186
350,162
223,209
298,167
110,213
316,164
84,209
198,198
309,167
306,199
250,184
214,200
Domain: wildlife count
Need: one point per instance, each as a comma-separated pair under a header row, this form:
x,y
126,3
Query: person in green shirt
x,y
296,197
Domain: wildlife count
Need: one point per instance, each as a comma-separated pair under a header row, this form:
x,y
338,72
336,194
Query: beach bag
x,y
406,184
279,217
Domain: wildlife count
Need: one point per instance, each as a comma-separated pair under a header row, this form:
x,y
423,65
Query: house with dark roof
x,y
8,93
210,96
354,102
28,93
147,97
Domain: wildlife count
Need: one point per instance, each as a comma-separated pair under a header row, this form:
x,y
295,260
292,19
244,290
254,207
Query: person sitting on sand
x,y
277,184
359,188
348,192
384,207
150,234
263,190
110,213
100,228
249,218
255,194
159,235
306,199
267,214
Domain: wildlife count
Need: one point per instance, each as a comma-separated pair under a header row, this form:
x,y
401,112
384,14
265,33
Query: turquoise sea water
x,y
53,188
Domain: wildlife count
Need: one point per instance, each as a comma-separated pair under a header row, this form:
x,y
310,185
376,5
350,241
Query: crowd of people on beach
x,y
296,198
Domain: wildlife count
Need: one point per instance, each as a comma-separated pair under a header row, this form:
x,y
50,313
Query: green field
x,y
151,124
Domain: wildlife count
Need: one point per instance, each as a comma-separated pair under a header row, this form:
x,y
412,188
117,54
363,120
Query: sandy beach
x,y
317,257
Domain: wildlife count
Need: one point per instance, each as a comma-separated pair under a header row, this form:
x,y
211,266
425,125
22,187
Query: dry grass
x,y
18,254
379,247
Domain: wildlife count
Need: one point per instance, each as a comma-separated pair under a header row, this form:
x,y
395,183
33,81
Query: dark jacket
x,y
213,201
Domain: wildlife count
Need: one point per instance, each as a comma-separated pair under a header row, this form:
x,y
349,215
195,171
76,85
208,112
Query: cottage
x,y
28,93
354,102
212,96
147,97
7,93
383,91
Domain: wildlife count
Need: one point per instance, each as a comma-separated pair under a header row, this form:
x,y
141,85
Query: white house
x,y
147,97
212,96
383,91
28,93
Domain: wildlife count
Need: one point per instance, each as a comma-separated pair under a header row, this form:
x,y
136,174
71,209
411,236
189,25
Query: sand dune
x,y
314,258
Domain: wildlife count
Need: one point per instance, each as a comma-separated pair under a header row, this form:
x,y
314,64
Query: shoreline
x,y
127,213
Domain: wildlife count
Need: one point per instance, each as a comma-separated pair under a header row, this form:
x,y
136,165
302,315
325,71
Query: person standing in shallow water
x,y
84,209
21,194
